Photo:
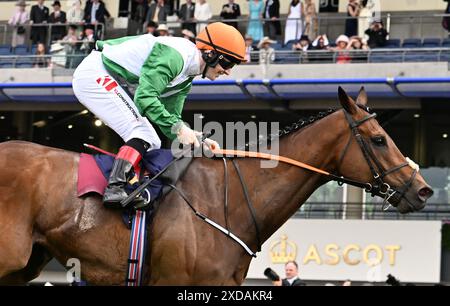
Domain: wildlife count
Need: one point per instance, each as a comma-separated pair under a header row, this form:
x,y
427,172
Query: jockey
x,y
163,69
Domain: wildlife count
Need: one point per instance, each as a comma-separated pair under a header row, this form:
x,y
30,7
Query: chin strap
x,y
204,71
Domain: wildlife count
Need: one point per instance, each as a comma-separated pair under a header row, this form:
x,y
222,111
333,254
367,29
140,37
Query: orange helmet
x,y
223,39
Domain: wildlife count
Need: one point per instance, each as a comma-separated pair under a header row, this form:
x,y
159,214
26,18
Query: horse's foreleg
x,y
39,258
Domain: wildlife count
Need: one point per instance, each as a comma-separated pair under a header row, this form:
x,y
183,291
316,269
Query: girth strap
x,y
249,203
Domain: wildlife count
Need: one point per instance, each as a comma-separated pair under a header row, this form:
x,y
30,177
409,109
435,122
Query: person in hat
x,y
163,30
18,20
188,35
163,69
377,34
266,52
342,43
88,39
57,17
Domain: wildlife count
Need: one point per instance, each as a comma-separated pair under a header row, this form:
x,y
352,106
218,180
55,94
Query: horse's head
x,y
370,156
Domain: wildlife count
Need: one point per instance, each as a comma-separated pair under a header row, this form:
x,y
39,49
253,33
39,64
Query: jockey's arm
x,y
163,65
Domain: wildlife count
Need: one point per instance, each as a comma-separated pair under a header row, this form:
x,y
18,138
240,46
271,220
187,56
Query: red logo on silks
x,y
107,82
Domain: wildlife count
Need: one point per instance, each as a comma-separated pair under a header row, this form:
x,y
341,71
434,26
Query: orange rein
x,y
283,159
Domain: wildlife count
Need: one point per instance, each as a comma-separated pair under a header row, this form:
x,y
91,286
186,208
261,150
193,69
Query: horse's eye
x,y
379,141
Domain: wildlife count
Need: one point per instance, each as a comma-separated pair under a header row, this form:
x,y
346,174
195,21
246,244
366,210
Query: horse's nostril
x,y
425,193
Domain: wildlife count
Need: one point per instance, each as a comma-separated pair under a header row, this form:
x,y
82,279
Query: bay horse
x,y
42,218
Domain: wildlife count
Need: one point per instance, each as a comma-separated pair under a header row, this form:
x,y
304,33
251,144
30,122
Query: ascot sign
x,y
360,250
352,254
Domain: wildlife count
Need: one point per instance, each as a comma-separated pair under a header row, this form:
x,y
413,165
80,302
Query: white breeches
x,y
104,97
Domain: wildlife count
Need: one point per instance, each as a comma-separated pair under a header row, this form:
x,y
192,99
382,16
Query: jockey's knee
x,y
154,144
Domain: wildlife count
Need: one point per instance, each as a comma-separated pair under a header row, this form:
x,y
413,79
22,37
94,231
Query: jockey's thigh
x,y
100,93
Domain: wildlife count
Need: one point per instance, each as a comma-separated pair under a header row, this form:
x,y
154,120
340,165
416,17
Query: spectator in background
x,y
137,18
266,52
163,30
303,44
294,23
377,35
95,13
272,25
41,60
292,279
151,28
351,23
321,43
88,39
342,56
57,17
70,44
250,50
446,19
18,20
39,14
231,10
255,16
365,18
202,14
75,15
186,15
311,22
157,12
347,283
357,43
188,35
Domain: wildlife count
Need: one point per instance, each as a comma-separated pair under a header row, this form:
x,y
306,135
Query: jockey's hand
x,y
209,144
188,136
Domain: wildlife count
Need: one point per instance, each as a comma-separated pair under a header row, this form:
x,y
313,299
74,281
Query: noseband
x,y
378,187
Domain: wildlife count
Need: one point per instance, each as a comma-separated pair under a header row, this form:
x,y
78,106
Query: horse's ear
x,y
362,97
347,103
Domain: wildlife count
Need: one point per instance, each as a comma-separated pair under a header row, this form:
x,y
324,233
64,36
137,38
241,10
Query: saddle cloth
x,y
94,171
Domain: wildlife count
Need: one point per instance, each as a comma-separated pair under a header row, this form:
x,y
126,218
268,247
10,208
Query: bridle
x,y
378,187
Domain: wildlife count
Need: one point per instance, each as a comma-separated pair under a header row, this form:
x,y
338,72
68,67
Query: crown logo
x,y
282,251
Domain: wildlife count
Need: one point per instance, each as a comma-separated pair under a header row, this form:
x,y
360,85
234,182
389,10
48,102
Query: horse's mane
x,y
295,126
301,123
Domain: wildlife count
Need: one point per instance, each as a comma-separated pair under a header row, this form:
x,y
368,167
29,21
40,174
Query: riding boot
x,y
126,161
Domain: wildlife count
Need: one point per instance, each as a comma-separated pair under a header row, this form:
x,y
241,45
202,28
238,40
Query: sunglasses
x,y
225,64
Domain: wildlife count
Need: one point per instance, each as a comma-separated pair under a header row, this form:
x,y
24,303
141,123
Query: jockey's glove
x,y
188,136
210,144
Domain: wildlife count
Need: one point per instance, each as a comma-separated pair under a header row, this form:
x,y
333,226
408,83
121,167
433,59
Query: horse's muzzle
x,y
414,199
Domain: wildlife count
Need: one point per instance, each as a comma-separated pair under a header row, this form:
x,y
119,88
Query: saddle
x,y
94,171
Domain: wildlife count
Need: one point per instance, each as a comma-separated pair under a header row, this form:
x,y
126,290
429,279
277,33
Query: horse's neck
x,y
317,145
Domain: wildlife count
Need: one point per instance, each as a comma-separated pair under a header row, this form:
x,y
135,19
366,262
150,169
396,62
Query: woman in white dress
x,y
202,14
294,23
75,13
365,18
